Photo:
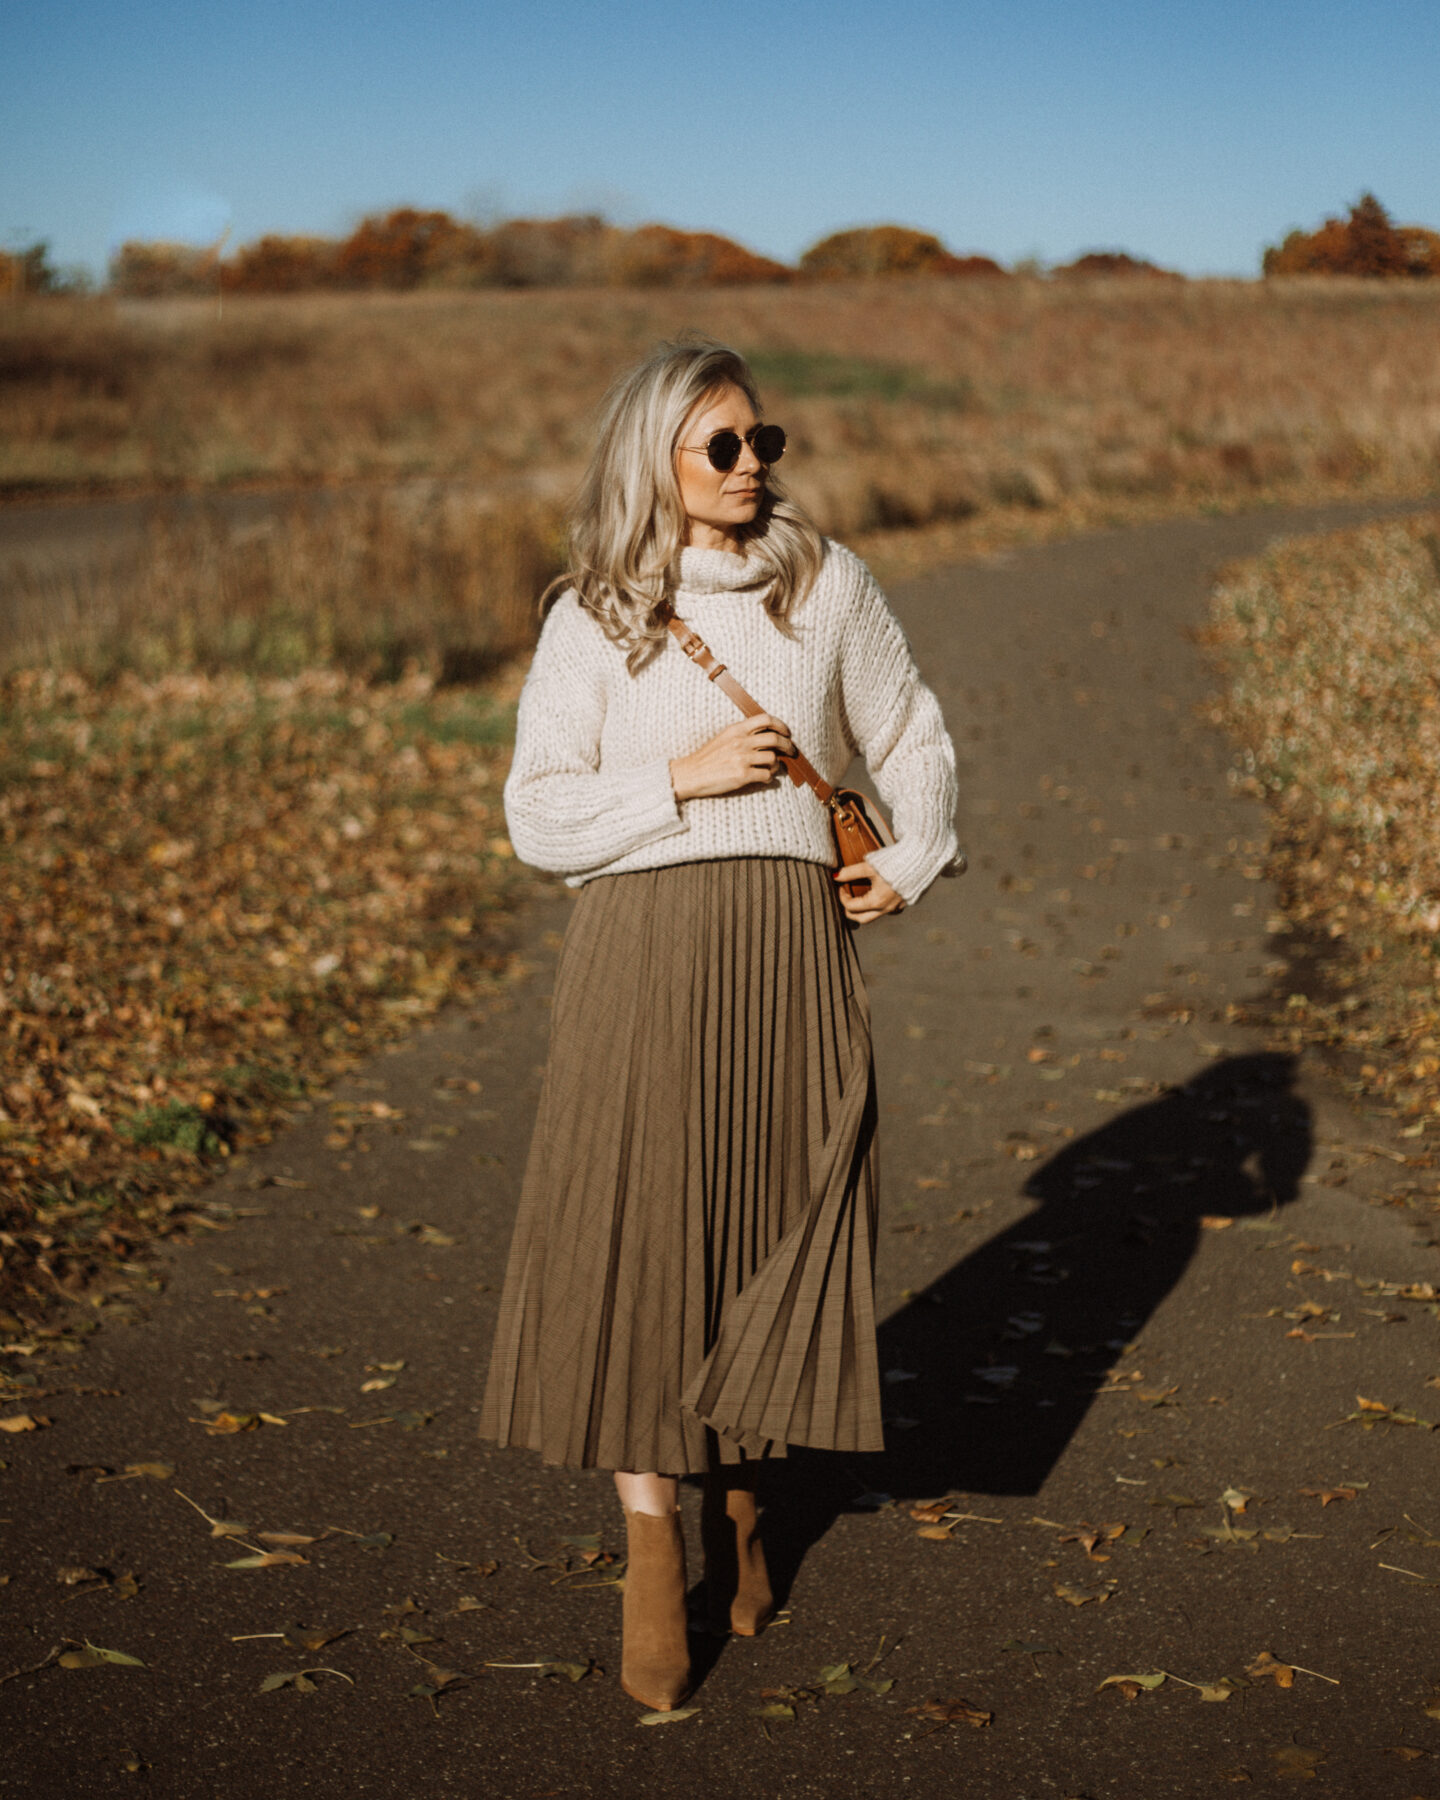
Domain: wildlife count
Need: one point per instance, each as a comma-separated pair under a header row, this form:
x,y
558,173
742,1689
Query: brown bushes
x,y
1365,243
408,248
889,250
1112,262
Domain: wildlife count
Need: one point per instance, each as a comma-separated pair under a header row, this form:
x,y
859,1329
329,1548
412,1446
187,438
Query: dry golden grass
x,y
1328,644
371,582
907,400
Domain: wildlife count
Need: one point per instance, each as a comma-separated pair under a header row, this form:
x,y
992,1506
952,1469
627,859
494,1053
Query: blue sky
x,y
1190,131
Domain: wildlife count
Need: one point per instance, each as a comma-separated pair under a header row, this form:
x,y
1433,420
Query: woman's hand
x,y
877,900
743,755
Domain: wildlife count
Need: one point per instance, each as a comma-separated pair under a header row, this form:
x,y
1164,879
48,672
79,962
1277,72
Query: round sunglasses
x,y
767,441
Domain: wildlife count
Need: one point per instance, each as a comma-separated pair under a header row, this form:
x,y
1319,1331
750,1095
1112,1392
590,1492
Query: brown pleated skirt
x,y
691,1278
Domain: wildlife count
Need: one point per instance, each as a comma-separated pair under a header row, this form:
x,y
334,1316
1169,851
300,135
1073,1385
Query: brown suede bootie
x,y
655,1661
737,1583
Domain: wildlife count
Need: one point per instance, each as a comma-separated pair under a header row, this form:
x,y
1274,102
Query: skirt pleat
x,y
691,1278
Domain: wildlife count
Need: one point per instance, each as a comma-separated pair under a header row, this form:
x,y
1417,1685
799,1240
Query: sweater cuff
x,y
650,807
910,866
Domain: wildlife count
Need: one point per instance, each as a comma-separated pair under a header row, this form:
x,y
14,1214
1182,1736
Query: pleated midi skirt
x,y
691,1277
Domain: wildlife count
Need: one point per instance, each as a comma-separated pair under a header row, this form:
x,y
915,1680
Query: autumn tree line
x,y
410,248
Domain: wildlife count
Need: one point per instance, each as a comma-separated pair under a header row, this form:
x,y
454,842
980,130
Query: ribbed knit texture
x,y
590,793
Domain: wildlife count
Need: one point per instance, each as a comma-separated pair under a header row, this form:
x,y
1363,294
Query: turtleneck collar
x,y
716,571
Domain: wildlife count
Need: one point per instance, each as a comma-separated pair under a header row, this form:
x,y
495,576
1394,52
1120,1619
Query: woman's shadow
x,y
994,1365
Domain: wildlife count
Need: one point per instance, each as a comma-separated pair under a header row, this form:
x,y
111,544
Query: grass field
x,y
907,400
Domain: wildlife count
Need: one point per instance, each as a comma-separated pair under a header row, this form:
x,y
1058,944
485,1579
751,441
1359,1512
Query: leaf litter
x,y
199,995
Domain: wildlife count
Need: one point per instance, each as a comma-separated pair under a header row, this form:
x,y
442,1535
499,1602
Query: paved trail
x,y
1065,1108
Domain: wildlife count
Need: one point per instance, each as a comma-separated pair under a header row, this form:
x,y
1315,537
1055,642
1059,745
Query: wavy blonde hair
x,y
627,522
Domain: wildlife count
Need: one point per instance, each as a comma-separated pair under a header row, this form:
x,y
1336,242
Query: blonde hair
x,y
628,524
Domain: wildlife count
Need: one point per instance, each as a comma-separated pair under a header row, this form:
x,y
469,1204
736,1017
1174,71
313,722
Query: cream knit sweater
x,y
589,791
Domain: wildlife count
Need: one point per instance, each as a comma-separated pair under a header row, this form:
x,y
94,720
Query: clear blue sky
x,y
1191,131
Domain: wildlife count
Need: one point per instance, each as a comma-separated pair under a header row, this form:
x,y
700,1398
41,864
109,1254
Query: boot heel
x,y
737,1583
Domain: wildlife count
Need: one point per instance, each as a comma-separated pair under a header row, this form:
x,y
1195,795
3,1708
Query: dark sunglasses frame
x,y
723,450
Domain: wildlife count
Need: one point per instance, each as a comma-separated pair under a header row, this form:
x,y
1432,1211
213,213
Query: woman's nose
x,y
748,463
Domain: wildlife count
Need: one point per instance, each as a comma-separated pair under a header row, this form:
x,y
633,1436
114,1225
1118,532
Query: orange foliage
x,y
889,250
1365,243
1113,262
660,256
280,265
408,248
400,249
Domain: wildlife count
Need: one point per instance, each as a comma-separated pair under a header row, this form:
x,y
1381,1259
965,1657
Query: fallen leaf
x,y
1078,1596
312,1637
227,1424
668,1718
377,1383
72,1574
140,1471
295,1678
18,1422
269,1559
1130,1686
94,1657
299,1679
1267,1664
1293,1763
1326,1495
951,1712
126,1586
776,1709
284,1537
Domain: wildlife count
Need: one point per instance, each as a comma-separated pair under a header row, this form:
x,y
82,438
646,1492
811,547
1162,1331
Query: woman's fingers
x,y
874,902
860,871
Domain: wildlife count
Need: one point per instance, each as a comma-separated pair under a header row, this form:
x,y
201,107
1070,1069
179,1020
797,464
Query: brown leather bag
x,y
856,824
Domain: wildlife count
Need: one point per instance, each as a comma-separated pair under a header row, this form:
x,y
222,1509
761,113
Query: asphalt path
x,y
1135,1269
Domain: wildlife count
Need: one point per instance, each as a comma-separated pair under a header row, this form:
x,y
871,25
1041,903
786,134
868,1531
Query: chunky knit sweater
x,y
589,791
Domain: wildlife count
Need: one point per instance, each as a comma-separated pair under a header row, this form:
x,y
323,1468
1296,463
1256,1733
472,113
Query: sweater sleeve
x,y
565,812
895,722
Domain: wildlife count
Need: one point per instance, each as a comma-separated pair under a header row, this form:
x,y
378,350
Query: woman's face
x,y
719,502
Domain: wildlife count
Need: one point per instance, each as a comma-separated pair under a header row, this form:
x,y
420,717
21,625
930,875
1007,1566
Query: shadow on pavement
x,y
1008,1348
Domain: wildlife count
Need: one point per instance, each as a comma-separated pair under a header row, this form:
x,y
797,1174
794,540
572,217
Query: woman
x,y
690,1284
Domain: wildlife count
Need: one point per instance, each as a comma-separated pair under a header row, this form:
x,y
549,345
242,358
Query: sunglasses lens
x,y
724,450
768,444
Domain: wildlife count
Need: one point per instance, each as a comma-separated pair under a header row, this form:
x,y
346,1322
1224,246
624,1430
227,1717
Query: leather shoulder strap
x,y
699,652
